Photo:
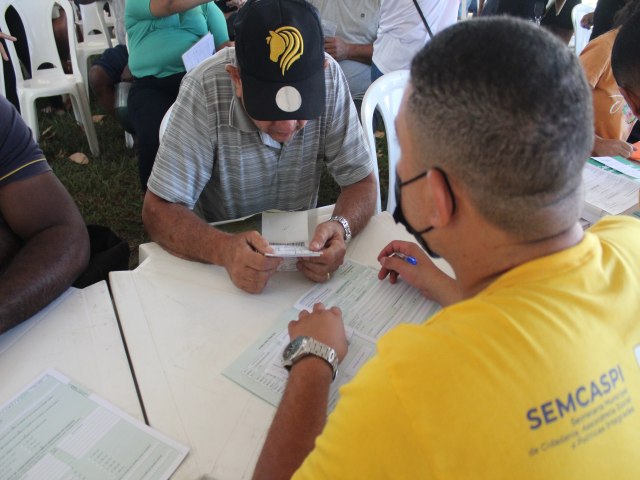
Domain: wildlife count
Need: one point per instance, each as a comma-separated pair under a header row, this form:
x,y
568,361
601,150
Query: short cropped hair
x,y
503,106
625,56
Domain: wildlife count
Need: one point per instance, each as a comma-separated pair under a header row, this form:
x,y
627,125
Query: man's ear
x,y
441,198
234,73
632,99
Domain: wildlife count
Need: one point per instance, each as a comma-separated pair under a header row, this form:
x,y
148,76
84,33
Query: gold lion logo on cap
x,y
286,46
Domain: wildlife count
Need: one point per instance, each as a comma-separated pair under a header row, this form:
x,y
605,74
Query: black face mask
x,y
398,214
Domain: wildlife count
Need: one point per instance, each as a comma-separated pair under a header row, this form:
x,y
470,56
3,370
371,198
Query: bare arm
x,y
3,54
432,282
299,419
342,50
164,8
604,147
53,250
587,20
356,203
302,413
183,233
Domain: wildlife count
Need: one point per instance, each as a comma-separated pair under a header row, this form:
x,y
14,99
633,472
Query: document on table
x,y
370,308
287,233
627,167
55,429
200,51
608,193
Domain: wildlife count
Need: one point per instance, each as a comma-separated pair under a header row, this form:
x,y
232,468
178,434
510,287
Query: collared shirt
x,y
402,34
356,22
213,158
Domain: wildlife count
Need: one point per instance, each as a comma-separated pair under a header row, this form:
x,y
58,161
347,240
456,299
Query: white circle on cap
x,y
288,99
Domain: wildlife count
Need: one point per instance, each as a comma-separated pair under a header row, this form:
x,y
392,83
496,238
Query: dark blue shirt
x,y
20,156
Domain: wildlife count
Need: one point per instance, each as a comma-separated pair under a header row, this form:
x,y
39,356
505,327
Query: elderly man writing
x,y
531,369
250,131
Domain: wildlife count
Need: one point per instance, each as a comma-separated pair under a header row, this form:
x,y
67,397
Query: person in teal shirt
x,y
159,32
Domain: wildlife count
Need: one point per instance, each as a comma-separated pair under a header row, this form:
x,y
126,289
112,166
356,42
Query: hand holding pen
x,y
409,261
406,258
400,259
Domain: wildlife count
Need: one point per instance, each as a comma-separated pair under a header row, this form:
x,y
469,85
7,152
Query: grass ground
x,y
107,189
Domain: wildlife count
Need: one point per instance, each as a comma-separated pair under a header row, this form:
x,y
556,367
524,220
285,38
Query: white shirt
x,y
356,22
401,32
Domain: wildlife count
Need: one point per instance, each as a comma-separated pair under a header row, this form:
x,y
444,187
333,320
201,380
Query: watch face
x,y
292,348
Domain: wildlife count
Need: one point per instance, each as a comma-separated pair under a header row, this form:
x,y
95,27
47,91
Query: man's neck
x,y
489,258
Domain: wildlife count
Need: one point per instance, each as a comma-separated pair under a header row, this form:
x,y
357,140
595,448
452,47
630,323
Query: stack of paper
x,y
199,52
55,429
370,308
608,193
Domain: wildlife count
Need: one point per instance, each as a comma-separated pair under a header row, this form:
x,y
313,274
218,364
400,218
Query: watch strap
x,y
345,224
326,353
317,349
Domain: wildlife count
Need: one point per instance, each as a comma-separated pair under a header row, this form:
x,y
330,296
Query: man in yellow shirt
x,y
532,368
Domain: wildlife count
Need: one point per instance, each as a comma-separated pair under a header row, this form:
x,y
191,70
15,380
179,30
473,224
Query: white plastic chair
x,y
110,19
96,36
128,140
581,34
385,94
36,18
2,91
164,122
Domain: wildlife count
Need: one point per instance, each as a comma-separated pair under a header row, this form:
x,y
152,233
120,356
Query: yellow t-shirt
x,y
536,377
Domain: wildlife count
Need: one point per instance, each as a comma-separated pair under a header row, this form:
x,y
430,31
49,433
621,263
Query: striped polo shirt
x,y
213,158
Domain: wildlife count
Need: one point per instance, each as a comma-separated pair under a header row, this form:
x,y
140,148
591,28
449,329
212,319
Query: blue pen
x,y
404,257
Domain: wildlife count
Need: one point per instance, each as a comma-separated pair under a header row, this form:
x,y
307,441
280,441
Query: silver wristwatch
x,y
302,346
343,221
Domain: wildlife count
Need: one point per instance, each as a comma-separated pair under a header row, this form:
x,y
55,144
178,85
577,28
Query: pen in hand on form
x,y
404,257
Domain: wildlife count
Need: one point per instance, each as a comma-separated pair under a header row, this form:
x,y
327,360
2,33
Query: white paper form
x,y
626,168
285,227
288,236
370,308
287,233
201,50
608,192
55,429
296,250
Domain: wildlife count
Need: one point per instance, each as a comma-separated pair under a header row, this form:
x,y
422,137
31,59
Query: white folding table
x,y
78,335
185,322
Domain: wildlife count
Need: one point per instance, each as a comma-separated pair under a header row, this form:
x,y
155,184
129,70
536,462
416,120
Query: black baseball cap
x,y
280,53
